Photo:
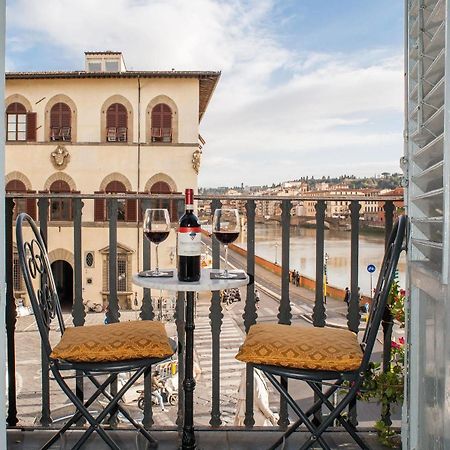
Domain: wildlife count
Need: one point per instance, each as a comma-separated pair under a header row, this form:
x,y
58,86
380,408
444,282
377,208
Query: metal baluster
x,y
147,313
250,314
45,418
216,317
354,316
11,314
112,314
285,314
319,312
78,312
388,321
179,322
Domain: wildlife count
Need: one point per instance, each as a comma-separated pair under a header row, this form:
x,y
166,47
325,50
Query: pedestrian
x,y
157,386
347,296
257,298
262,414
297,279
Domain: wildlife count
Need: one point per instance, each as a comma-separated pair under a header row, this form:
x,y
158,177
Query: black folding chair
x,y
323,356
92,351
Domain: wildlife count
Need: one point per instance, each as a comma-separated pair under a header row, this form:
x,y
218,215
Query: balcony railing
x,y
81,222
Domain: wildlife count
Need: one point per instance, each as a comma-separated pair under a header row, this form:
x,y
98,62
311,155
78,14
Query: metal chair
x,y
85,357
256,351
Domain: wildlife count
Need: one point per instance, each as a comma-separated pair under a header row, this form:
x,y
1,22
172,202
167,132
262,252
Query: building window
x,y
161,187
126,209
17,122
60,122
123,282
27,205
161,123
60,208
17,275
95,66
116,123
112,66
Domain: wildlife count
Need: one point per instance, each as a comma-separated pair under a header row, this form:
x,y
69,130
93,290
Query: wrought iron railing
x,y
216,317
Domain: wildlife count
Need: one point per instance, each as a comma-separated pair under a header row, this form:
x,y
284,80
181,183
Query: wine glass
x,y
226,228
156,229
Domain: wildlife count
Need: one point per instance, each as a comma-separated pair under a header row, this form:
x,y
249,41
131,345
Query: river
x,y
337,246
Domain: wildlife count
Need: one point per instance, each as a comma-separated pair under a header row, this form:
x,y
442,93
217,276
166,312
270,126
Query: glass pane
x,y
112,66
22,118
95,67
21,126
21,136
12,118
11,136
11,127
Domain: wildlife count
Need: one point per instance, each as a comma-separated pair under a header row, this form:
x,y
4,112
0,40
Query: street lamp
x,y
325,280
276,254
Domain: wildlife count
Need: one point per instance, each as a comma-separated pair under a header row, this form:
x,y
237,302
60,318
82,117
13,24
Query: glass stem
x,y
157,260
226,261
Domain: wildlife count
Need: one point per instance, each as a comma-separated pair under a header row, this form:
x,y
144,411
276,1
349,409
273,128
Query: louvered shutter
x,y
31,205
60,115
131,209
99,208
121,116
31,126
166,118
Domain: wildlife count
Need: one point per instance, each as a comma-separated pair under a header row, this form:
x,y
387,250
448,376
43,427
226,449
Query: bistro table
x,y
205,284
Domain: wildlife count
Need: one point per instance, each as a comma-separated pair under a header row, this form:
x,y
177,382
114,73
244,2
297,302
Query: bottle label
x,y
189,241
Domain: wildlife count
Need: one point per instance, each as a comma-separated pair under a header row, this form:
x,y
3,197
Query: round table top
x,y
205,283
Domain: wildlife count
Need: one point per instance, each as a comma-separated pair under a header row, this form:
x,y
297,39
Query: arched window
x,y
161,187
161,123
60,122
60,208
21,125
116,123
126,209
27,205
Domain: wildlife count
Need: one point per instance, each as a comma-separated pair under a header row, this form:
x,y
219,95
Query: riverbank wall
x,y
305,282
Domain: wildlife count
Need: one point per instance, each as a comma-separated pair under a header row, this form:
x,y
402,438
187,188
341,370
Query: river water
x,y
337,245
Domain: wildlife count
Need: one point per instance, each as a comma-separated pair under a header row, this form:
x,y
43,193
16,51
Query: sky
x,y
308,87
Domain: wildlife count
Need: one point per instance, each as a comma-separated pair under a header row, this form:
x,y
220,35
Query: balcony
x,y
36,404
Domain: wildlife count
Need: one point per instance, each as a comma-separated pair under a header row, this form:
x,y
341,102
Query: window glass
x,y
111,66
95,66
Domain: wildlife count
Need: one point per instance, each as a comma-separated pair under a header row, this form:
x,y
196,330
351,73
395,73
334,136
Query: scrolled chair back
x,y
39,281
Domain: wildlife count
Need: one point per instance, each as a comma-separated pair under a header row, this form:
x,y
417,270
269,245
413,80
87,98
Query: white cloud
x,y
276,113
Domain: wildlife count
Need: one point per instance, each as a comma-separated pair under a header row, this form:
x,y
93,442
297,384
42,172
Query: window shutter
x,y
99,208
60,115
31,206
16,108
121,116
31,126
131,209
156,116
166,119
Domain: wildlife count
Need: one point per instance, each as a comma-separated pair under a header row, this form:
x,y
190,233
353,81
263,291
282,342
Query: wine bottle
x,y
189,242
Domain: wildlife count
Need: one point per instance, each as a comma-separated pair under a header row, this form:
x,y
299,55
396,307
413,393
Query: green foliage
x,y
387,388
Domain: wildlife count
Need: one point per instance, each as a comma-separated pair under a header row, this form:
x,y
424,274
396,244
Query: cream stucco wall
x,y
93,161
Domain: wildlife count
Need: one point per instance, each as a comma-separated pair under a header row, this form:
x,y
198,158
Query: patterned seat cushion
x,y
114,342
301,347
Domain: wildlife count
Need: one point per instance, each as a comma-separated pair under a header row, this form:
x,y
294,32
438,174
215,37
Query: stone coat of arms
x,y
60,157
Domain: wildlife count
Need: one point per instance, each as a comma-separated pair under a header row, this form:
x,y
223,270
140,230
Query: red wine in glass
x,y
226,237
156,237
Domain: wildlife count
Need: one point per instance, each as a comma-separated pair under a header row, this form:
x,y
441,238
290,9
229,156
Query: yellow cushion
x,y
114,342
301,347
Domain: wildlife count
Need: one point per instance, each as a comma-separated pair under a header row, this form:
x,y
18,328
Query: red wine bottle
x,y
189,245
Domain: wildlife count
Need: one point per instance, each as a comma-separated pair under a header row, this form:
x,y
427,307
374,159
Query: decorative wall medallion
x,y
60,157
196,158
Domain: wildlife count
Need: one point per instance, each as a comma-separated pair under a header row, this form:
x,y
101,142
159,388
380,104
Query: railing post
x,y
11,314
112,314
388,321
250,314
354,316
215,317
179,322
319,314
284,312
45,418
78,312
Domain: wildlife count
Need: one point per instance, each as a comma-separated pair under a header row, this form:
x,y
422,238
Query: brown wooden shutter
x,y
166,118
31,126
156,116
116,116
131,209
31,206
16,108
99,208
60,116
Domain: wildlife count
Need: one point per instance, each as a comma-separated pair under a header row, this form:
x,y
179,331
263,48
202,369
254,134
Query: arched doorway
x,y
63,275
